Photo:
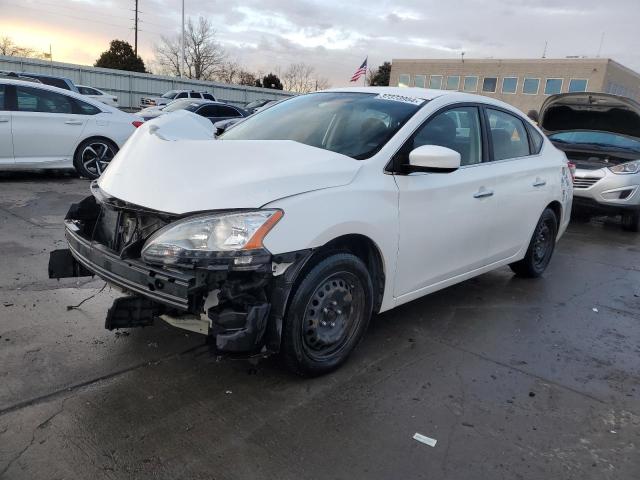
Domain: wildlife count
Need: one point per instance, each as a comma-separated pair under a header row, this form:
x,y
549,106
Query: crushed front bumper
x,y
240,311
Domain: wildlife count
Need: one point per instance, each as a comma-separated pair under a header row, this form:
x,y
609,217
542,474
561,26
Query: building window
x,y
531,86
453,82
435,82
489,84
509,84
553,86
404,79
577,85
470,84
420,80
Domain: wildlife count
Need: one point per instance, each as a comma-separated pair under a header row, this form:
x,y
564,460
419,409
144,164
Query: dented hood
x,y
173,164
590,111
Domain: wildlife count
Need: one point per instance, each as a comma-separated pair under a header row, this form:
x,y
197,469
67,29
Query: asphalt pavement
x,y
513,378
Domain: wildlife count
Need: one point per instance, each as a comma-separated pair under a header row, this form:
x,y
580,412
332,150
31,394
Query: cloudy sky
x,y
335,35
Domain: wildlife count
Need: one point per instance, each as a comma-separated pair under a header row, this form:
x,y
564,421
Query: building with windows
x,y
524,83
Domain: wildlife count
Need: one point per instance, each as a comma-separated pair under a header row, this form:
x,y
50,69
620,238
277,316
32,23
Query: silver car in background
x,y
600,134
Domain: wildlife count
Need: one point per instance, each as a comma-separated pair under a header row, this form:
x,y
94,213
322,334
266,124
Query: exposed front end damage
x,y
237,299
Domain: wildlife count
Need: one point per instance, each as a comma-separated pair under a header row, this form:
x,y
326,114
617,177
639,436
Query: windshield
x,y
170,94
598,139
353,124
179,105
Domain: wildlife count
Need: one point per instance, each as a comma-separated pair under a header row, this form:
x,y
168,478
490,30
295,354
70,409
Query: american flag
x,y
359,72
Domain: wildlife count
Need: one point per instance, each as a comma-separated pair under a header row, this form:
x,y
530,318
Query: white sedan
x,y
290,230
98,95
44,127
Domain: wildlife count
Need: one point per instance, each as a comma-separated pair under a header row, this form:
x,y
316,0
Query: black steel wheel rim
x,y
96,157
333,315
542,245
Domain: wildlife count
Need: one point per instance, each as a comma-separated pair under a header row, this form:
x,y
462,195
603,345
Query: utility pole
x,y
544,52
135,44
182,44
600,47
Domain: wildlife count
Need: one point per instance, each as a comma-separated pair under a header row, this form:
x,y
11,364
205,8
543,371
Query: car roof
x,y
103,107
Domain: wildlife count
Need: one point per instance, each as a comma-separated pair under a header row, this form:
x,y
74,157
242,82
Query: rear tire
x,y
631,221
328,315
93,156
540,249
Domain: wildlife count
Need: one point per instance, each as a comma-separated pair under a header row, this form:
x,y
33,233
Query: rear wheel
x,y
631,221
541,247
93,156
328,315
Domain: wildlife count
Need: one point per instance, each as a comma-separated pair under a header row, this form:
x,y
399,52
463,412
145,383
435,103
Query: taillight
x,y
572,169
136,123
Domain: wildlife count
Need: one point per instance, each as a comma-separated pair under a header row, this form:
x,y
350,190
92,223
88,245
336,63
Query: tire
x,y
93,156
328,315
540,249
631,221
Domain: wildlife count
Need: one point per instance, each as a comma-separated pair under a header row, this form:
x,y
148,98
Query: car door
x,y
45,126
6,142
444,218
521,177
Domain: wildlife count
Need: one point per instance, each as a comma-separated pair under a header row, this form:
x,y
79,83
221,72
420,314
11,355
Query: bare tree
x,y
322,83
204,56
229,72
247,78
8,47
298,77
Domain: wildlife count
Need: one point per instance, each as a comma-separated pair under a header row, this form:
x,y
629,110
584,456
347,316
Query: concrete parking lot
x,y
515,379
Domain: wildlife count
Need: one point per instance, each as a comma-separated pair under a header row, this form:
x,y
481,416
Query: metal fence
x,y
130,86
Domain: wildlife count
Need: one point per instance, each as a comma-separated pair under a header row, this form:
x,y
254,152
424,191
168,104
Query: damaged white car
x,y
291,230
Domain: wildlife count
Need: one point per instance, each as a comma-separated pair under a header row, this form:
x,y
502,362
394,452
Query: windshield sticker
x,y
401,98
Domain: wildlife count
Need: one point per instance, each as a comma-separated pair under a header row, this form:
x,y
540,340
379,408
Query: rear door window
x,y
84,108
508,134
38,100
195,95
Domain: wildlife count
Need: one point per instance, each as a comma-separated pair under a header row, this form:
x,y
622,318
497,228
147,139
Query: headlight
x,y
626,168
201,239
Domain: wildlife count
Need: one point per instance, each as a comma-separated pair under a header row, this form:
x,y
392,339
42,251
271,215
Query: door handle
x,y
482,193
539,183
73,122
4,119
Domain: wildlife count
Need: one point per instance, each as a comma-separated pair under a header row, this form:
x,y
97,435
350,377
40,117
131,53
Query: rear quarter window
x,y
84,108
536,139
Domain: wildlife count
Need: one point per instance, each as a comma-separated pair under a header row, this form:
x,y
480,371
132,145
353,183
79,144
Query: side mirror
x,y
534,116
433,158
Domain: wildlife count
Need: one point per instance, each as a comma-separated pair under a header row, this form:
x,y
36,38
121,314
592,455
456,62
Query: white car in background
x,y
99,95
290,230
44,127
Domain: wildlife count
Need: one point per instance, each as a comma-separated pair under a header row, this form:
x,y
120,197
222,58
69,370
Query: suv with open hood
x,y
290,230
600,134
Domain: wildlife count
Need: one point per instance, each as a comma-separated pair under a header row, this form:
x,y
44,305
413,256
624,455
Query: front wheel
x,y
541,247
631,221
93,156
328,315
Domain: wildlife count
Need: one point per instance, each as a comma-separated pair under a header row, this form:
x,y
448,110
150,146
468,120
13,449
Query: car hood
x,y
173,164
590,111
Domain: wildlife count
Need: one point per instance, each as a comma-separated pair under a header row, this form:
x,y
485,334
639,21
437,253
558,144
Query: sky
x,y
334,36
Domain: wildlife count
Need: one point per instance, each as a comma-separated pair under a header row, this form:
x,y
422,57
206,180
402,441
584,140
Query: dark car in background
x,y
600,134
214,111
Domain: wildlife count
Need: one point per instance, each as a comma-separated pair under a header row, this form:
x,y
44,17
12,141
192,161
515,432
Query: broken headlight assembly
x,y
206,239
626,168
